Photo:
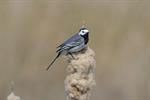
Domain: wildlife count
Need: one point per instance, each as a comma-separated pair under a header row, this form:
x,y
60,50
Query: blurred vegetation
x,y
30,30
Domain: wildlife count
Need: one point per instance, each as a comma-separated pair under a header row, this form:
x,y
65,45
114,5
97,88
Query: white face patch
x,y
83,32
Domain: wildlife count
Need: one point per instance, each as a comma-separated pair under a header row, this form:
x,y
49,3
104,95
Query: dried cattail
x,y
12,96
80,75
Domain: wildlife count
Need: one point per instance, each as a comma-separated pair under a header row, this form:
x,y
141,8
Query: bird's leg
x,y
71,55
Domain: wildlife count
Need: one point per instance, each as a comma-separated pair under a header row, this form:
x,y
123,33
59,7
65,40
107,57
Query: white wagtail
x,y
74,44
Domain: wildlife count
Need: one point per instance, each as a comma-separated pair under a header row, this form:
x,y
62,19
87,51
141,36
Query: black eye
x,y
83,32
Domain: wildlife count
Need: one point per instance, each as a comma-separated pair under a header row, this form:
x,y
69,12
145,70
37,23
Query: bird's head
x,y
83,31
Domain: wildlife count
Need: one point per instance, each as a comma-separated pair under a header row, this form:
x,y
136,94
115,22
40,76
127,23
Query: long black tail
x,y
53,60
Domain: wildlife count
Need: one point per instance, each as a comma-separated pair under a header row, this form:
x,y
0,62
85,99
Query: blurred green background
x,y
30,30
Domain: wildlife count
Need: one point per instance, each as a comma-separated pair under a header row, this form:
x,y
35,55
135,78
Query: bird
x,y
76,43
